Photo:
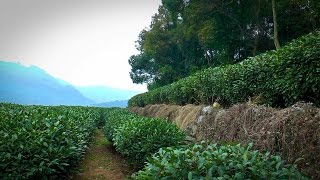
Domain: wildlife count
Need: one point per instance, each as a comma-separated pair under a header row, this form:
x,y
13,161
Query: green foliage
x,y
115,118
103,112
39,141
137,137
142,137
211,161
281,77
186,36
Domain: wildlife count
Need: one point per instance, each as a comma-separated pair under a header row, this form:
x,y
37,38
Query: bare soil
x,y
103,162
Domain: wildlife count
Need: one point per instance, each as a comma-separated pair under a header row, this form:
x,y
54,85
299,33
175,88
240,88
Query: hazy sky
x,y
85,42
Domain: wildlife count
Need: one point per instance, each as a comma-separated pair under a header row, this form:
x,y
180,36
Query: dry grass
x,y
293,132
181,115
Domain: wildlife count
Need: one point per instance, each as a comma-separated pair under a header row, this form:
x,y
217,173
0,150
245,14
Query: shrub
x,y
281,77
103,112
142,137
210,161
115,118
40,141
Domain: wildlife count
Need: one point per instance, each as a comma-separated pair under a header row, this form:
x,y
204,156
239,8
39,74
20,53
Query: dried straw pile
x,y
293,132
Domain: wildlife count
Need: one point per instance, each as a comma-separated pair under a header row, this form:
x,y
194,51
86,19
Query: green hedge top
x,y
138,137
115,118
211,161
142,137
42,141
280,78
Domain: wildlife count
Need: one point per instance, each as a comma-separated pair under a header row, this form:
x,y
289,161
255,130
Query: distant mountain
x,y
118,103
32,85
102,94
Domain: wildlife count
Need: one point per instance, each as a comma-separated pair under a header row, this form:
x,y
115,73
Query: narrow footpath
x,y
103,162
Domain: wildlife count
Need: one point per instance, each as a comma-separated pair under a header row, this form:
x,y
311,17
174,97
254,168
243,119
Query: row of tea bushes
x,y
279,78
115,118
138,137
156,143
211,161
40,141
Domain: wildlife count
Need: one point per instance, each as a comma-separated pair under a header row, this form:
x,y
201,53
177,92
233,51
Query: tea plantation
x,y
161,144
280,78
40,142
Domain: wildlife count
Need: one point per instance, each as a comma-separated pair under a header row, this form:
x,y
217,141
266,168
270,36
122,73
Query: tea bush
x,y
211,161
39,141
103,113
116,117
281,77
142,137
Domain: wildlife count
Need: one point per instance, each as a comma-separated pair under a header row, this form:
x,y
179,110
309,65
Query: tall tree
x,y
188,35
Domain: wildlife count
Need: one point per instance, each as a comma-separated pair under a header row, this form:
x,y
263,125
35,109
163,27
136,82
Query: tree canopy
x,y
189,35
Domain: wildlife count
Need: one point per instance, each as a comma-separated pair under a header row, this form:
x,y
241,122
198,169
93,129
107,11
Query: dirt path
x,y
103,162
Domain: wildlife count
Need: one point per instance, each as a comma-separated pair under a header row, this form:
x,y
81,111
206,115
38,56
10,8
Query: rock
x,y
207,110
200,119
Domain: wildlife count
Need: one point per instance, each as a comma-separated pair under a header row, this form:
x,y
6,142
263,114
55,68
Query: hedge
x,y
41,141
143,137
115,118
212,161
279,78
138,137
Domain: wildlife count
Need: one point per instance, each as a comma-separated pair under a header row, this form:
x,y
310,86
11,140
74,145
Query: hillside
x,y
117,103
32,85
101,94
281,115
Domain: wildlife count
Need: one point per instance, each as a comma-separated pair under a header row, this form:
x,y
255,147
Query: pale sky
x,y
84,42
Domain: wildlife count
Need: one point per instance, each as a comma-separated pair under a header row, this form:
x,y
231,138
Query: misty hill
x,y
101,94
117,103
32,85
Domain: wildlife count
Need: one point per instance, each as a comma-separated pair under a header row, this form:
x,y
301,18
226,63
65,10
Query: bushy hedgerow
x,y
280,77
103,113
211,161
40,141
115,118
142,137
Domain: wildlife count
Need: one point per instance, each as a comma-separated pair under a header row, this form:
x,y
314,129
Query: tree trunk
x,y
275,25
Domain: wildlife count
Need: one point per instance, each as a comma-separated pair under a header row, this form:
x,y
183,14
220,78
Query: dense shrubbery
x,y
115,118
281,77
39,141
103,113
137,137
210,161
142,137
